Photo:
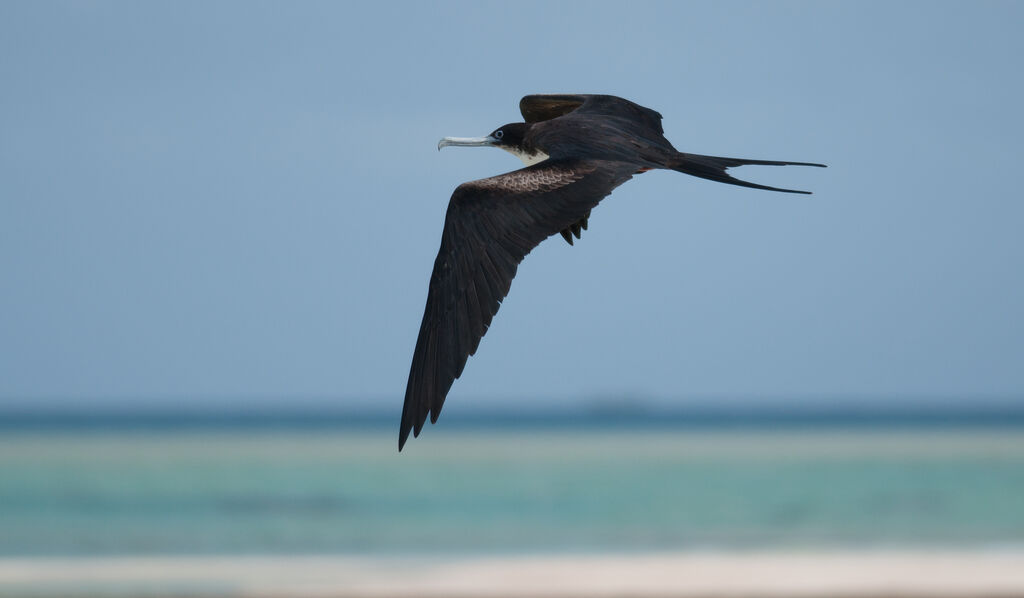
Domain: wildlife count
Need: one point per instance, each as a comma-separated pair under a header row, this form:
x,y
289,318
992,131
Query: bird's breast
x,y
528,158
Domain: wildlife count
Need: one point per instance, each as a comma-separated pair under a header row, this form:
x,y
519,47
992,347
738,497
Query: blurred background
x,y
218,220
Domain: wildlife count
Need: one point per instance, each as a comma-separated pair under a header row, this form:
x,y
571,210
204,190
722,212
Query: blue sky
x,y
241,202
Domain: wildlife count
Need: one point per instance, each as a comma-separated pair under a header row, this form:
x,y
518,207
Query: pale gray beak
x,y
466,141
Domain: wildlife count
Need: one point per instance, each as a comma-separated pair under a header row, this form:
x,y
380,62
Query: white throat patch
x,y
528,159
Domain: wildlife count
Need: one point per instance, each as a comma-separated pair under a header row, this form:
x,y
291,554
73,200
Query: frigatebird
x,y
577,149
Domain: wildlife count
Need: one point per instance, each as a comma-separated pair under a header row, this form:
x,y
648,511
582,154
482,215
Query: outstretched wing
x,y
536,108
490,227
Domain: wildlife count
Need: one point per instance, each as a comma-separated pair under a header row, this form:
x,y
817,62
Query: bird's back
x,y
604,128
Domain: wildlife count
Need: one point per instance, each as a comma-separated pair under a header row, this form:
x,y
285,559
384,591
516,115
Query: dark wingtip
x,y
403,435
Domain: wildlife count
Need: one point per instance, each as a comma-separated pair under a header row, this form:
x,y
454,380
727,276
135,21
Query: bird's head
x,y
507,136
510,137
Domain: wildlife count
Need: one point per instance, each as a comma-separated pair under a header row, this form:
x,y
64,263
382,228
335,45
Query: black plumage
x,y
587,146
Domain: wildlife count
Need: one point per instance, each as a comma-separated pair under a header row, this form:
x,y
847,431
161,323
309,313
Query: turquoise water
x,y
75,492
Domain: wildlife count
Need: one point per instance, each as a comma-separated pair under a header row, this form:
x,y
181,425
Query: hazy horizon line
x,y
594,413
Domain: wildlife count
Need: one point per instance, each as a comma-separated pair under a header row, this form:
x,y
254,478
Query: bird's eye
x,y
499,134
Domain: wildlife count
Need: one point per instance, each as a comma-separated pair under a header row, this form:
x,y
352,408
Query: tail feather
x,y
714,168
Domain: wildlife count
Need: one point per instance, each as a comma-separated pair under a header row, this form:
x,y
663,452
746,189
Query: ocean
x,y
133,486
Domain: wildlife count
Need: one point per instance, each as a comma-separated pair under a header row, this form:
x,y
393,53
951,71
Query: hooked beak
x,y
466,141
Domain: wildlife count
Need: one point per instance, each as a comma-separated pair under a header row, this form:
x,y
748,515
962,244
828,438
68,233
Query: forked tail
x,y
714,167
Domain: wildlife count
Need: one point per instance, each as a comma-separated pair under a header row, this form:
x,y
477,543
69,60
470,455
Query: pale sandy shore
x,y
706,575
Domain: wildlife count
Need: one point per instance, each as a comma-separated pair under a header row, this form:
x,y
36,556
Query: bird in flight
x,y
577,149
